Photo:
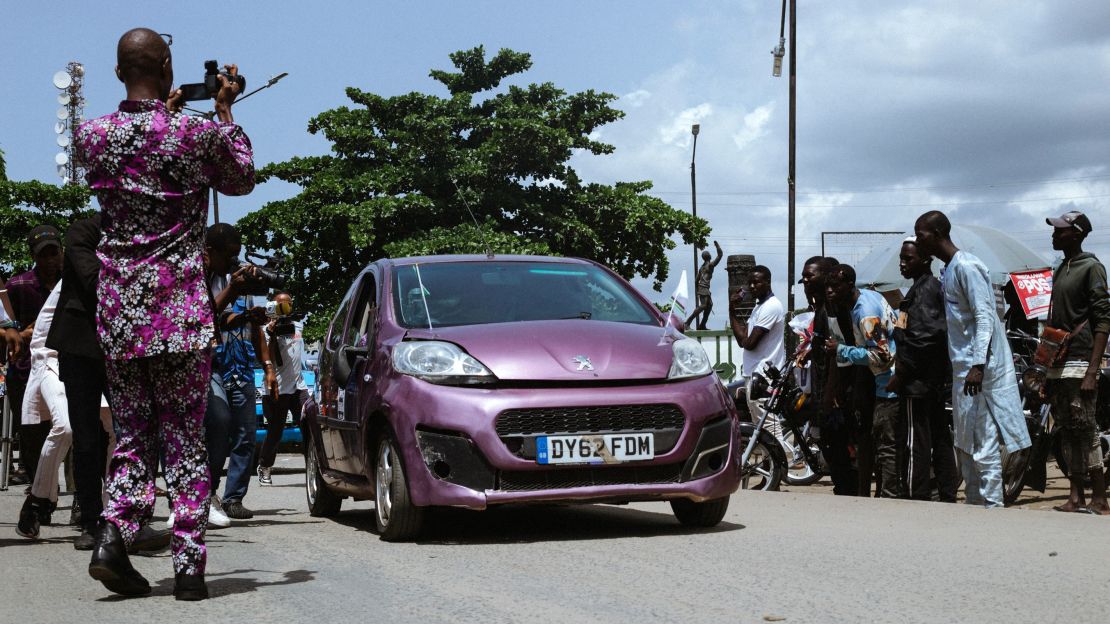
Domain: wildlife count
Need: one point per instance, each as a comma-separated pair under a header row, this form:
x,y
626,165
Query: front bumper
x,y
455,457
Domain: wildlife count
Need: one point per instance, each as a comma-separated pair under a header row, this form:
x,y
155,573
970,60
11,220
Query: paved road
x,y
788,555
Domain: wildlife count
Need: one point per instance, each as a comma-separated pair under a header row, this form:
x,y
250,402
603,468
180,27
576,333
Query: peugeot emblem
x,y
584,363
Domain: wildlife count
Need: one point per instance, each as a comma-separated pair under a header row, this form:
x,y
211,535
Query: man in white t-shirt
x,y
761,337
287,351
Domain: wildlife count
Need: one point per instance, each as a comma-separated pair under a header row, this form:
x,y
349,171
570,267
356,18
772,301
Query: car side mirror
x,y
353,353
345,361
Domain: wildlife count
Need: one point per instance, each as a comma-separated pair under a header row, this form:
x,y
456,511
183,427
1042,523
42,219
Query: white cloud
x,y
637,98
755,126
677,131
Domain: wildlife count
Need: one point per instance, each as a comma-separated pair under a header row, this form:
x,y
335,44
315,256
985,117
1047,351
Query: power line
x,y
894,189
926,205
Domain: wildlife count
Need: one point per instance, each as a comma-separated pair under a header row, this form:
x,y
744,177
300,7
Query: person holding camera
x,y
151,169
231,421
287,352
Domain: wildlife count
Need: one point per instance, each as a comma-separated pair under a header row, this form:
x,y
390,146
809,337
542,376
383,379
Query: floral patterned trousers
x,y
158,405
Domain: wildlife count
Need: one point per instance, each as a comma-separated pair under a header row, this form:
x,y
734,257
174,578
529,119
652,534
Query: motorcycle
x,y
763,459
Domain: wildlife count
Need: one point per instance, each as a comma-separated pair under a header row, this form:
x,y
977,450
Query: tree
x,y
484,168
23,205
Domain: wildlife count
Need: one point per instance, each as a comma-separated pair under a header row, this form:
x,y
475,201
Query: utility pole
x,y
694,129
793,141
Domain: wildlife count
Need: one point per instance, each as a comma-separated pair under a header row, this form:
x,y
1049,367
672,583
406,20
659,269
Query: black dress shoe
x,y
189,587
150,539
87,539
46,509
111,566
28,525
75,513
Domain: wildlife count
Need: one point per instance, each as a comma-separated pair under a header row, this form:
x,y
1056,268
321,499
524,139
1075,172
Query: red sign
x,y
1034,288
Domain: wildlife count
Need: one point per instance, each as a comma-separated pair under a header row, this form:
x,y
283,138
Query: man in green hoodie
x,y
1081,306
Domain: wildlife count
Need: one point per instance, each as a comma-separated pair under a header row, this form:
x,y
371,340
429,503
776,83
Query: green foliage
x,y
23,205
416,174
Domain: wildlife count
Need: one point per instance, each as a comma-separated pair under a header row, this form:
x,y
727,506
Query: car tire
x,y
704,515
322,502
397,518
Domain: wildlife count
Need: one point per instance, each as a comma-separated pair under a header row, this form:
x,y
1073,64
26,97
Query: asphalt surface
x,y
779,556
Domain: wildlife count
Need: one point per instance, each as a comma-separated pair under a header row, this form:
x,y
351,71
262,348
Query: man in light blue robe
x,y
986,406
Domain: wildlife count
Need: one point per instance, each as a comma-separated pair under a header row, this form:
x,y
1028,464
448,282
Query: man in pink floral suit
x,y
151,169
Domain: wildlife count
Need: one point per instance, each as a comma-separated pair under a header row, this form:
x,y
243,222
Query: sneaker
x,y
235,509
264,475
87,539
28,525
217,519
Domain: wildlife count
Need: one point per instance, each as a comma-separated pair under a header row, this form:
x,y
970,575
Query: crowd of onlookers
x,y
881,378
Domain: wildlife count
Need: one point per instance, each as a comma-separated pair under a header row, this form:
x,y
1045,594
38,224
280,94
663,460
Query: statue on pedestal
x,y
702,290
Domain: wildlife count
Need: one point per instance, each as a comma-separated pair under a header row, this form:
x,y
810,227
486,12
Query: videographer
x,y
231,421
151,169
287,352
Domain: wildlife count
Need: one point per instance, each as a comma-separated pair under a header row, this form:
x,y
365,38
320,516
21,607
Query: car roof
x,y
479,258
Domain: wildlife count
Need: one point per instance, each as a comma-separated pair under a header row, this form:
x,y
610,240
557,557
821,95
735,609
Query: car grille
x,y
524,481
609,418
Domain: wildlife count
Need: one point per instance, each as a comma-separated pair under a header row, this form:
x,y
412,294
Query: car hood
x,y
552,350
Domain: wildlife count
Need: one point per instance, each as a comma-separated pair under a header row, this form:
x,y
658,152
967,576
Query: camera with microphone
x,y
264,276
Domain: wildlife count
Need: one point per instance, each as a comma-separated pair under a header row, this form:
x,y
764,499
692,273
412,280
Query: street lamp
x,y
777,71
694,129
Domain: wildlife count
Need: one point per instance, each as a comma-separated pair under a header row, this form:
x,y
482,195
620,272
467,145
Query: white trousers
x,y
57,442
982,470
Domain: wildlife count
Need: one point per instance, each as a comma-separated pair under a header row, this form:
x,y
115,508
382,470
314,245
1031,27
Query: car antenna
x,y
424,297
485,243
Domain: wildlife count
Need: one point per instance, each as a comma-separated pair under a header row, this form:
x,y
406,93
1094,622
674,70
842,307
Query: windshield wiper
x,y
581,315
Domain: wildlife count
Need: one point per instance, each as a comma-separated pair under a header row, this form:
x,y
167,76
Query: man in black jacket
x,y
1080,306
81,369
921,370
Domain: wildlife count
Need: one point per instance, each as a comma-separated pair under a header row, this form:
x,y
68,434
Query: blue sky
x,y
993,111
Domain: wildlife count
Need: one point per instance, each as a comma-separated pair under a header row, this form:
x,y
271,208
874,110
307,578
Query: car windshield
x,y
475,293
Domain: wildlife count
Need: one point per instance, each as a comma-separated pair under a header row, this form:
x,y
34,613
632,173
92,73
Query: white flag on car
x,y
679,300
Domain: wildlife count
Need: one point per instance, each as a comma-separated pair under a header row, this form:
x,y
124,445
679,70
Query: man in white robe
x,y
986,406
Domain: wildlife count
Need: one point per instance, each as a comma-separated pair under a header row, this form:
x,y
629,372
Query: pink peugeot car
x,y
470,381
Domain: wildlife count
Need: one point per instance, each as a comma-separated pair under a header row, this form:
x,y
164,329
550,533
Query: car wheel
x,y
397,518
322,502
706,514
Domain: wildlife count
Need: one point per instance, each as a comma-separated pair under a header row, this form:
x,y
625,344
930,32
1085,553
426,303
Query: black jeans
x,y
85,382
928,445
836,438
274,412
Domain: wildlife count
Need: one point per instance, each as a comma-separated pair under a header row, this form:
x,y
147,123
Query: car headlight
x,y
439,362
690,360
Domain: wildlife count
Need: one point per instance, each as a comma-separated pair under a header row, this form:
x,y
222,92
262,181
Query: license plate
x,y
608,448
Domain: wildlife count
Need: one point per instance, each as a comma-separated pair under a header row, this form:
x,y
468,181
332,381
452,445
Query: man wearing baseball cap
x,y
28,292
1080,306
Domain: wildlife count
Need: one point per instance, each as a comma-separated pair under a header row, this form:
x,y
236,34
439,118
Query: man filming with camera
x,y
230,421
151,169
287,353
